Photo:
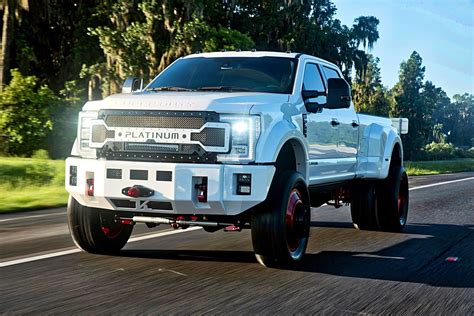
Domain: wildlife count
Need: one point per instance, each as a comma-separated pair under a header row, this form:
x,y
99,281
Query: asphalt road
x,y
345,271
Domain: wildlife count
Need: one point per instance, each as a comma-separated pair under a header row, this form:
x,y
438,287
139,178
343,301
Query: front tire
x,y
95,230
280,226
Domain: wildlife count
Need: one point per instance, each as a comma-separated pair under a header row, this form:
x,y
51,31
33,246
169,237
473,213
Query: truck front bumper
x,y
173,184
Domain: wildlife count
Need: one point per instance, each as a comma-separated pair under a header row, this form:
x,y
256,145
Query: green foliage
x,y
64,119
31,184
439,151
40,154
418,168
438,135
369,96
25,113
223,38
21,172
409,103
443,151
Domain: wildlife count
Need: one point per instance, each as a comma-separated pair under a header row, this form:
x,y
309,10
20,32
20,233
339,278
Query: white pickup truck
x,y
234,140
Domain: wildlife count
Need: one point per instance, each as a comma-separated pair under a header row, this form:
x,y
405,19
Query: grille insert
x,y
158,119
210,137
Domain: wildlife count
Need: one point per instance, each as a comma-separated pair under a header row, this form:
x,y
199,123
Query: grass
x,y
420,168
32,184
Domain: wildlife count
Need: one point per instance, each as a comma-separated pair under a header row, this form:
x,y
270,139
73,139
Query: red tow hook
x,y
137,191
177,223
232,228
126,222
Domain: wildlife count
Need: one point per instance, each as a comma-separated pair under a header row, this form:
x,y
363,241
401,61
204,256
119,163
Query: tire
x,y
392,201
364,206
94,230
280,226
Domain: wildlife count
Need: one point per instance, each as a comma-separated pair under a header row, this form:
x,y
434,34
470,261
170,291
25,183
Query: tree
x,y
25,113
365,31
462,132
369,95
9,8
408,103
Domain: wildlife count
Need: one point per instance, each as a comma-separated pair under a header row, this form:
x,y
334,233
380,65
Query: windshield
x,y
254,74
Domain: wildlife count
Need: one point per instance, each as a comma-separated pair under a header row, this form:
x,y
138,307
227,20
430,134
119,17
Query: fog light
x,y
244,183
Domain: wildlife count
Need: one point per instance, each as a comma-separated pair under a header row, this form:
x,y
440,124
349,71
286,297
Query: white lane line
x,y
71,251
31,216
440,183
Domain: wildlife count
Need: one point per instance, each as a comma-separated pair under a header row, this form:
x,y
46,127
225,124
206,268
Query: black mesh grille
x,y
154,122
210,137
100,133
158,119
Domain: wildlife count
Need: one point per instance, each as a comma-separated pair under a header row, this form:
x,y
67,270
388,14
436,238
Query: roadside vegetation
x,y
31,183
419,168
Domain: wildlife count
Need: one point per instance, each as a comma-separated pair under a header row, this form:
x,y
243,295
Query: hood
x,y
220,102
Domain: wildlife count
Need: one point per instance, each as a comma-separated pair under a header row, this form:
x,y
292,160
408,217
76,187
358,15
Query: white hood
x,y
220,102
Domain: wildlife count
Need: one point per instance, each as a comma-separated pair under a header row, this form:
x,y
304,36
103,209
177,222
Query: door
x,y
322,133
348,132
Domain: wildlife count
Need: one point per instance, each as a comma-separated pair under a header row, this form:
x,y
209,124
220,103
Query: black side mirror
x,y
132,84
339,94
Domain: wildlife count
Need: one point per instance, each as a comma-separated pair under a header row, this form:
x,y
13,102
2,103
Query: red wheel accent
x,y
293,232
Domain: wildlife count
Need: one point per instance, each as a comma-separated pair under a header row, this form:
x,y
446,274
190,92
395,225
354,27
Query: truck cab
x,y
233,140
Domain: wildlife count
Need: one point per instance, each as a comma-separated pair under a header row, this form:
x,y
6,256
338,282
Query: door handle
x,y
355,124
335,122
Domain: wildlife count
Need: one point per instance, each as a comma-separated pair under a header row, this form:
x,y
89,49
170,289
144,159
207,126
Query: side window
x,y
312,78
330,72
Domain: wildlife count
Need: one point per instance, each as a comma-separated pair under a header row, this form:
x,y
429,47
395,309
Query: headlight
x,y
244,135
84,134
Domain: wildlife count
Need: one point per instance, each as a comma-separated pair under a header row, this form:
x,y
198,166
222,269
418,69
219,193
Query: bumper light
x,y
90,187
244,184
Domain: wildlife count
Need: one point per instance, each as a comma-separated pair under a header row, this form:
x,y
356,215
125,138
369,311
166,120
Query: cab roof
x,y
257,54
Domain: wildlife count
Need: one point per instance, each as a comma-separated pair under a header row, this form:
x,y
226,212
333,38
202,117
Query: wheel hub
x,y
296,220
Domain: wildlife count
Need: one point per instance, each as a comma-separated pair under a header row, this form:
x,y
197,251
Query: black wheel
x,y
392,201
95,230
364,206
280,226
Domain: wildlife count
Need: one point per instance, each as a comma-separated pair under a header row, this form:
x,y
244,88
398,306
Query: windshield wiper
x,y
223,88
169,89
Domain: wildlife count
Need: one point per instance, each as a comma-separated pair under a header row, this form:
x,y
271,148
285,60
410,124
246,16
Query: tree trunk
x,y
7,37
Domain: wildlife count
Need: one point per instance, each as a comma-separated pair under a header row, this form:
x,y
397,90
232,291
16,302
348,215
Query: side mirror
x,y
132,84
339,94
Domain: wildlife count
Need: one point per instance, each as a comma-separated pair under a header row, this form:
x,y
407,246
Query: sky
x,y
441,31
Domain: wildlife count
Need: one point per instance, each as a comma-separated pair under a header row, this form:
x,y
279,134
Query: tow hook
x,y
232,228
137,191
